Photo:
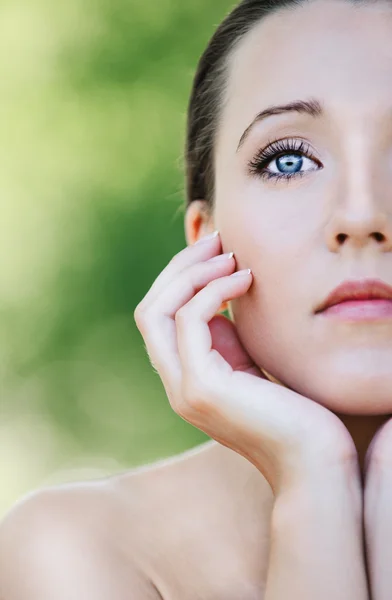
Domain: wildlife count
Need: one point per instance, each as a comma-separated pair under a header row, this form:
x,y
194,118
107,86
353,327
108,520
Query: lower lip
x,y
360,310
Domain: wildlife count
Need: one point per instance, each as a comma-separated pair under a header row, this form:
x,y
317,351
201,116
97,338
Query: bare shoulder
x,y
196,523
66,511
200,523
61,539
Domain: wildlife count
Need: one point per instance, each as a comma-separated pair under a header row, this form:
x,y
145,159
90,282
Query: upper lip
x,y
357,289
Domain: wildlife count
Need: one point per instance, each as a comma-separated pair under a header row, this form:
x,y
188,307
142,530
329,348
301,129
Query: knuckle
x,y
174,260
214,283
137,313
182,314
143,317
139,316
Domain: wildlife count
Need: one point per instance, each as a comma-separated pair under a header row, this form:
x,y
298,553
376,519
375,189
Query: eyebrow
x,y
312,107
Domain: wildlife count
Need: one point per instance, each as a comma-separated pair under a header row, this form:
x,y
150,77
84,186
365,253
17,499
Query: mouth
x,y
359,300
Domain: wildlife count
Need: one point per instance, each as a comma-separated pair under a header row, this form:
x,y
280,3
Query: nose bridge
x,y
361,212
358,174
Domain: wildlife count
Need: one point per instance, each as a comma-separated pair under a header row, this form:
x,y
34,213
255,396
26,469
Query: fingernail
x,y
222,257
206,238
241,273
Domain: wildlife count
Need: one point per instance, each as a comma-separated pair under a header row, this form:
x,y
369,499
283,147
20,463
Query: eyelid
x,y
283,145
257,166
288,139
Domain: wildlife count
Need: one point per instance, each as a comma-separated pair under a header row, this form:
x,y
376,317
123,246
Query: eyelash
x,y
275,150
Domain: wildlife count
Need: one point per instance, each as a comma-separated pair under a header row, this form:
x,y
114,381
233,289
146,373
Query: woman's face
x,y
305,235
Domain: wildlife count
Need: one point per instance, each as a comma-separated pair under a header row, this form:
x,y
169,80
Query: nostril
x,y
341,237
379,237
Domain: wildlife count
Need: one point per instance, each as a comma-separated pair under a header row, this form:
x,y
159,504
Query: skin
x,y
377,515
287,234
290,233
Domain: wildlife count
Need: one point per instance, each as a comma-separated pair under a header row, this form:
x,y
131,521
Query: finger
x,y
189,282
158,323
190,255
193,333
226,341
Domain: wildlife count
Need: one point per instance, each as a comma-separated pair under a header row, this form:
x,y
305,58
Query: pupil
x,y
290,163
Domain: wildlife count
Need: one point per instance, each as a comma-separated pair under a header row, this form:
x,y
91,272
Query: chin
x,y
352,389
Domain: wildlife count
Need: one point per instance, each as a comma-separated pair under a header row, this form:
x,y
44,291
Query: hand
x,y
212,382
379,452
377,512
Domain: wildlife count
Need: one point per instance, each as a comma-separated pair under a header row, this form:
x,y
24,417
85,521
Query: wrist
x,y
325,494
339,472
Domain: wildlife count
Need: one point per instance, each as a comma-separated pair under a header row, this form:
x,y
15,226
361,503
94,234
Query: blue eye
x,y
289,163
285,159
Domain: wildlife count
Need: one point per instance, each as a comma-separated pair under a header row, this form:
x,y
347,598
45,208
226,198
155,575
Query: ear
x,y
199,221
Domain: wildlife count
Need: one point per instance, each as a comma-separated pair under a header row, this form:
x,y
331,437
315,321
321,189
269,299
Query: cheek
x,y
272,318
269,231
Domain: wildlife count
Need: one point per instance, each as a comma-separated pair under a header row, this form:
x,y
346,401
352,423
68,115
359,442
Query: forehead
x,y
329,49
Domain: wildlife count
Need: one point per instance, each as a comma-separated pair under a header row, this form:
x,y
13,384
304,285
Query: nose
x,y
359,221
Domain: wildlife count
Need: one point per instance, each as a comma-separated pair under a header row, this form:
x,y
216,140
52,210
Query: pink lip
x,y
359,300
361,310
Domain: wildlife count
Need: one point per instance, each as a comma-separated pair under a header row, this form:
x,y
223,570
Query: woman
x,y
288,500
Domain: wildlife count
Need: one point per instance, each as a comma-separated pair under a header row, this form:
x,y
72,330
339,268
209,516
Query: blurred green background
x,y
93,101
